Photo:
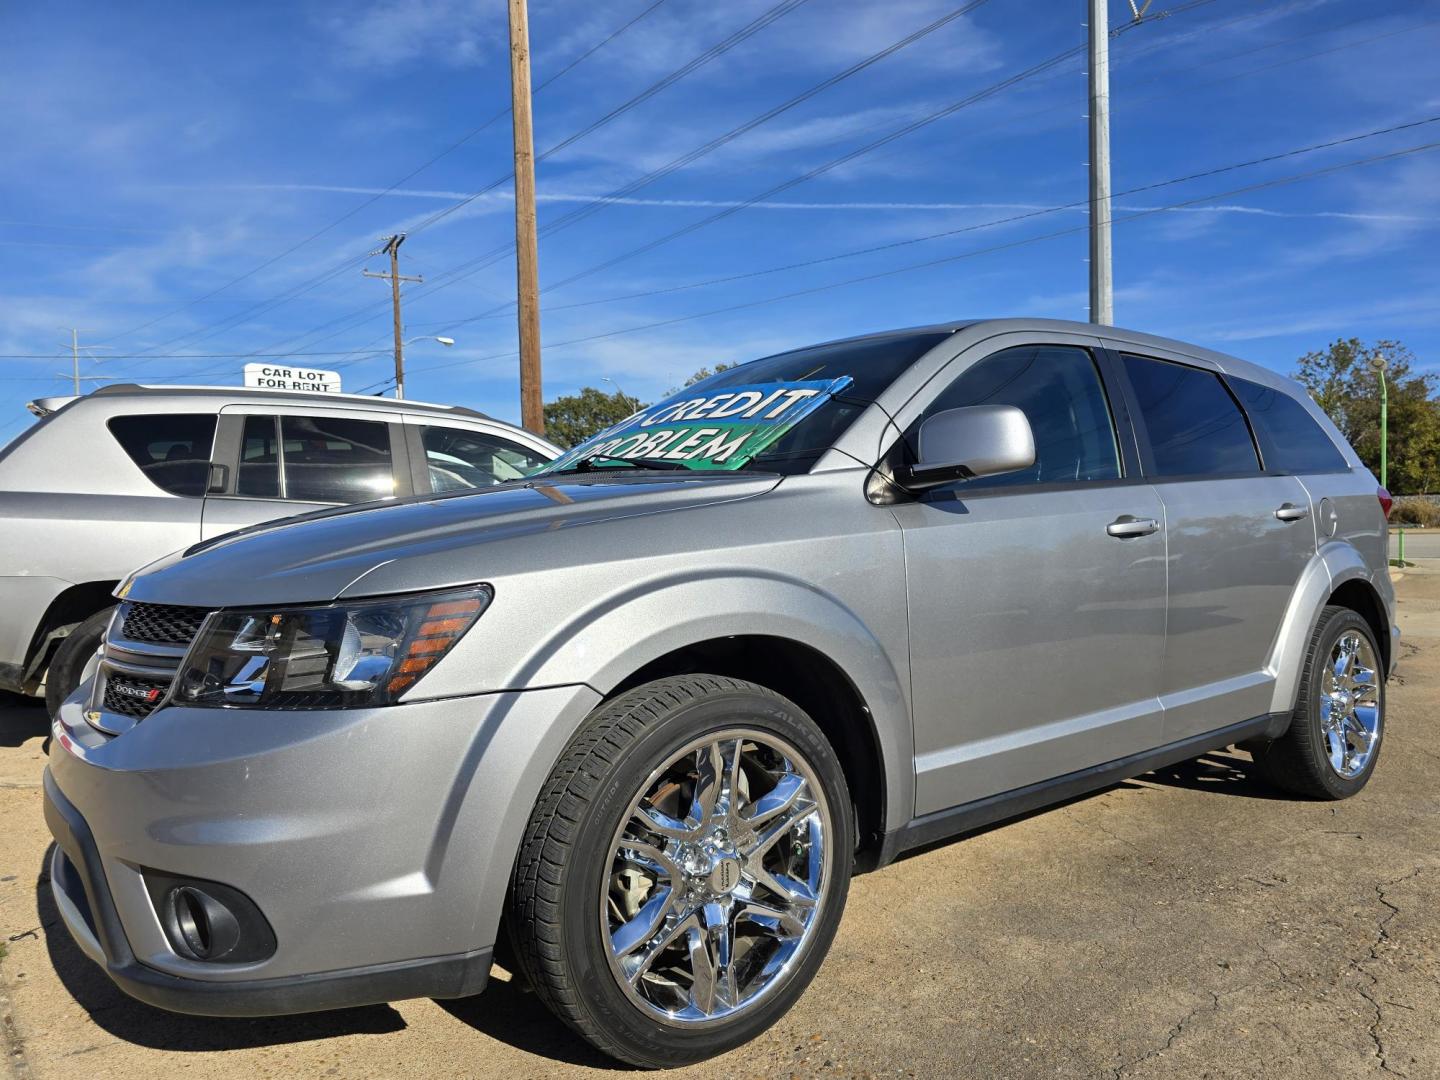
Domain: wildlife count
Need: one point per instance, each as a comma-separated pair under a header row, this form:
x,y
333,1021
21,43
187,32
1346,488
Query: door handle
x,y
1291,512
1127,527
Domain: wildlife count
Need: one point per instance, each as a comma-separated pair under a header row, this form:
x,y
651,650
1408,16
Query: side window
x,y
171,449
458,459
259,474
1297,443
335,459
1058,388
1195,427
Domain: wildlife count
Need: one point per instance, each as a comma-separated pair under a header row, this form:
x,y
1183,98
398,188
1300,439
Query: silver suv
x,y
631,723
113,480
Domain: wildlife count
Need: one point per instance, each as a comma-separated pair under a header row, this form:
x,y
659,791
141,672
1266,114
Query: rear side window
x,y
1058,389
1297,444
1195,427
458,459
171,449
315,459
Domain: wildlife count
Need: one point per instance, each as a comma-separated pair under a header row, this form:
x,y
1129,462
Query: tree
x,y
1343,381
572,419
703,373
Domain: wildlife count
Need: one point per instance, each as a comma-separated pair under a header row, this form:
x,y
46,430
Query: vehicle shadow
x,y
1224,772
511,1013
135,1022
21,719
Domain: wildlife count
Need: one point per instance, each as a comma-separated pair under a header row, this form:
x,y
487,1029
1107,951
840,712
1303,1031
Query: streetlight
x,y
400,376
633,402
1379,363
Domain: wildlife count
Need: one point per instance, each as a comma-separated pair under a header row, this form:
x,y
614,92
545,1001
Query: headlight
x,y
343,655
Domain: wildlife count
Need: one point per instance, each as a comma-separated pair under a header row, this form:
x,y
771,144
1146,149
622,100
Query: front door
x,y
1037,598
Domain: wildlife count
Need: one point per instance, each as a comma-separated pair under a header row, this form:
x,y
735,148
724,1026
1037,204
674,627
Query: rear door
x,y
280,461
1036,598
1238,539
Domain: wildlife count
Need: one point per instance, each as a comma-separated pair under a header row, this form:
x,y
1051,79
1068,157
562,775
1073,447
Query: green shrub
x,y
1416,510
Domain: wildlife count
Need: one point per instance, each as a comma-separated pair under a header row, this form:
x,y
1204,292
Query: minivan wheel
x,y
67,666
1333,742
684,871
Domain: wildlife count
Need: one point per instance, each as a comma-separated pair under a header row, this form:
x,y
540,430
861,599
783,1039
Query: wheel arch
x,y
819,686
1338,574
70,607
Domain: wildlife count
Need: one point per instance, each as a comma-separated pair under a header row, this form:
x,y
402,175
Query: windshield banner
x,y
722,430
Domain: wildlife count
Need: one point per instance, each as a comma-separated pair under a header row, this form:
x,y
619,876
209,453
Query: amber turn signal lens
x,y
443,623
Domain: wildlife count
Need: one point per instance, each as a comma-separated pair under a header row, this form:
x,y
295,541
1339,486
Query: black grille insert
x,y
132,696
161,624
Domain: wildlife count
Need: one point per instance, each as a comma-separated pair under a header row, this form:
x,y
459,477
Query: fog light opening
x,y
207,929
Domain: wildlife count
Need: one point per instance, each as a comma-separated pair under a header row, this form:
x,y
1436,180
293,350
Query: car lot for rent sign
x,y
720,430
289,377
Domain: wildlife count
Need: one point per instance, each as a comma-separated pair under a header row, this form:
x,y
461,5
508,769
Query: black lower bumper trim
x,y
457,975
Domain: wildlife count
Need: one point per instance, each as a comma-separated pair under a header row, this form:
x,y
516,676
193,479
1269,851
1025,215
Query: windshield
x,y
778,414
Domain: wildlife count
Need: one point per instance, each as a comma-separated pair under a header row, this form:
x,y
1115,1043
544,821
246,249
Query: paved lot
x,y
1188,924
1419,544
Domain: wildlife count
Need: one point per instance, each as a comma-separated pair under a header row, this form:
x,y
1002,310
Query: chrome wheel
x,y
716,878
1350,717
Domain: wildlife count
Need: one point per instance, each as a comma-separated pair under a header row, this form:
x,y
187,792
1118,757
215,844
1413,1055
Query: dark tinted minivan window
x,y
1195,427
1296,443
334,459
1058,389
172,449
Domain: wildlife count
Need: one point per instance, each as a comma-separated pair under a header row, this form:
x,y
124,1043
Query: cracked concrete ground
x,y
1187,924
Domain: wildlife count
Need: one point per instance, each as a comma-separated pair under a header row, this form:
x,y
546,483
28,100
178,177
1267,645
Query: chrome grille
x,y
161,624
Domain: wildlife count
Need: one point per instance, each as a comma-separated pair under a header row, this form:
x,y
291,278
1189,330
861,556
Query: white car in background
x,y
108,482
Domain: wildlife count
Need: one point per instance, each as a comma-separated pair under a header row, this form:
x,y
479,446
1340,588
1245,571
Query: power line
x,y
408,176
928,264
747,31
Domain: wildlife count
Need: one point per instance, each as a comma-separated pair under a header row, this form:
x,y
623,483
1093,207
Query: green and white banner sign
x,y
721,430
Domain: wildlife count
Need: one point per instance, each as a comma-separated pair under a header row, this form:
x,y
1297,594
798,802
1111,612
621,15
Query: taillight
x,y
1386,501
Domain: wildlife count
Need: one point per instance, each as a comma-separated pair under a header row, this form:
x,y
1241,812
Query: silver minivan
x,y
115,479
628,725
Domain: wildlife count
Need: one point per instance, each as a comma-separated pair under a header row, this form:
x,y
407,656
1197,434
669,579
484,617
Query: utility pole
x,y
1102,300
392,248
75,347
527,261
1102,279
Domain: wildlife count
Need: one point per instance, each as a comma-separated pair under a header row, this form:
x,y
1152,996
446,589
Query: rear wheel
x,y
684,871
67,666
1333,742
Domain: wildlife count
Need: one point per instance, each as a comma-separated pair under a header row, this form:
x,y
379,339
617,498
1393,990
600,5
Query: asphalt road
x,y
1419,544
1187,924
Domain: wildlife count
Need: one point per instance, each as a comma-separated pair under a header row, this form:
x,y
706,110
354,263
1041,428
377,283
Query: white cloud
x,y
390,33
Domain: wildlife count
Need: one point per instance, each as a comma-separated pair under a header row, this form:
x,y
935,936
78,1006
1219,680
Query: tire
x,y
1311,759
592,870
67,666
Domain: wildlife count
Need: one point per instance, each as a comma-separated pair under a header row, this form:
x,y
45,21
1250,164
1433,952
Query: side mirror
x,y
959,444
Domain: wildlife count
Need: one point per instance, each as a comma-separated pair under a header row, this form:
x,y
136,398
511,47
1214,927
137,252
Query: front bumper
x,y
88,911
376,842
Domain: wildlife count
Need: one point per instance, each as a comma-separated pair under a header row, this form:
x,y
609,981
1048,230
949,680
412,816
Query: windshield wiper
x,y
588,464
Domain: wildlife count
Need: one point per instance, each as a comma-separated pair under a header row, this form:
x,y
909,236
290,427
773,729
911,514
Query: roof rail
x,y
265,391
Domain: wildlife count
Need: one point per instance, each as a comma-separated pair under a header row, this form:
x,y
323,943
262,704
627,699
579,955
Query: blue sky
x,y
159,157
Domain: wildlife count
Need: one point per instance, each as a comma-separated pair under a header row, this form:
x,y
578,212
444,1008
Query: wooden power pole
x,y
392,248
527,264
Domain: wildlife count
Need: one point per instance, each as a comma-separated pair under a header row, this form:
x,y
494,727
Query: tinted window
x,y
458,459
332,459
1058,388
1297,444
172,449
259,459
1194,424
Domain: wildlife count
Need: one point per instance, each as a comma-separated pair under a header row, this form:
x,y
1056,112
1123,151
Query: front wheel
x,y
684,871
1333,742
67,666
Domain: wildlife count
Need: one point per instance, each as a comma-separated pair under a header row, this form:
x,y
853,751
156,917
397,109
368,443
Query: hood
x,y
322,556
